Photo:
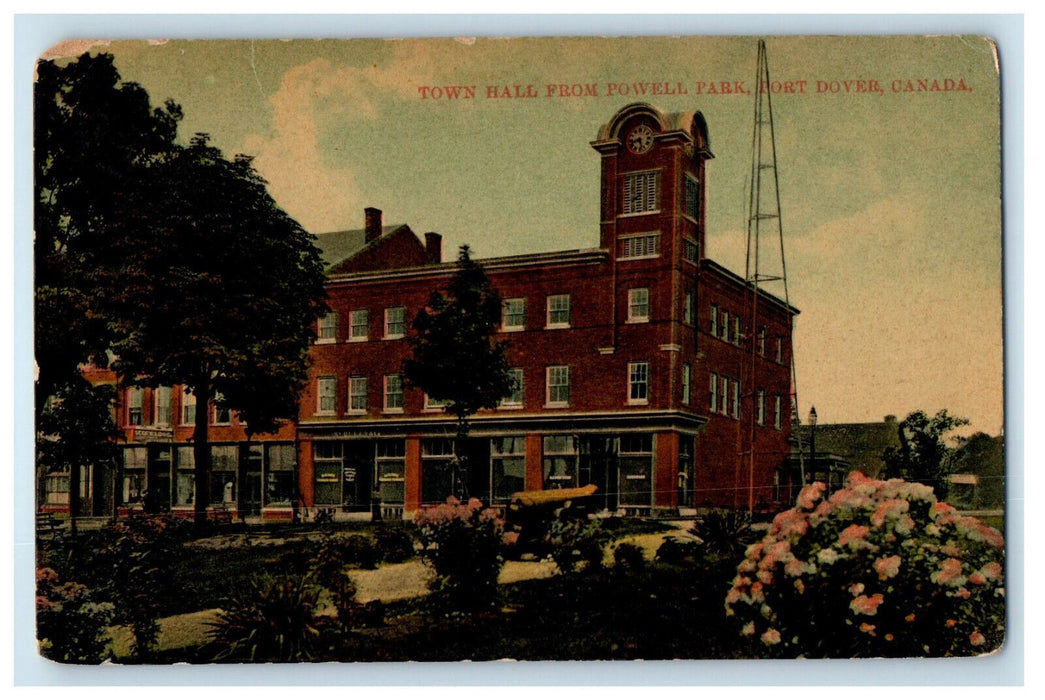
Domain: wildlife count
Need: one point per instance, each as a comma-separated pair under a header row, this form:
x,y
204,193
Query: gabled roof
x,y
861,444
338,246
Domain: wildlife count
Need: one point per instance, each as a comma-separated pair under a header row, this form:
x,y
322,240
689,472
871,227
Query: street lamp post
x,y
812,442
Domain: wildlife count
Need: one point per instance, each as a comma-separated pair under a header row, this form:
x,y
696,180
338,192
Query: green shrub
x,y
573,541
271,619
70,626
395,544
462,544
628,557
725,534
678,551
878,569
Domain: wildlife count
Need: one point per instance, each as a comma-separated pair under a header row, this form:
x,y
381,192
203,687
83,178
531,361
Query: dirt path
x,y
387,582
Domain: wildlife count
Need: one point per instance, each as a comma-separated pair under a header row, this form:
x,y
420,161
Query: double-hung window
x,y
714,392
134,406
760,407
395,322
393,392
514,315
357,394
686,377
687,308
222,414
559,311
326,396
327,329
161,414
188,407
517,395
638,305
638,382
359,325
641,192
558,385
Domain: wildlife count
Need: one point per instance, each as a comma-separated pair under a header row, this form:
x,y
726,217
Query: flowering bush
x,y
71,626
462,542
573,541
878,569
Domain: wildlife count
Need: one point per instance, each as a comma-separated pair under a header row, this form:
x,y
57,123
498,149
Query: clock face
x,y
640,139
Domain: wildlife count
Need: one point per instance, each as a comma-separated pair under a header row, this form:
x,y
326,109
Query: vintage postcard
x,y
531,348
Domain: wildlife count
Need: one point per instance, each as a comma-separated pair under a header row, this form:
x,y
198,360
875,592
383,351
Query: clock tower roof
x,y
690,125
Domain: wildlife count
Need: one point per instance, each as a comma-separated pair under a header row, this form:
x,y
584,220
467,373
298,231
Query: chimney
x,y
890,418
373,223
433,248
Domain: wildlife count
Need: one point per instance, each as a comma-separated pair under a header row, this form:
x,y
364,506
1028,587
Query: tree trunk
x,y
201,451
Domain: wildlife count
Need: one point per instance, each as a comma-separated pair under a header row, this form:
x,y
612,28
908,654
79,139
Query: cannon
x,y
530,513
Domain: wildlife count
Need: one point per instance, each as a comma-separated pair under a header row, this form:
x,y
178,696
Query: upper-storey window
x,y
558,385
714,320
638,382
326,396
692,198
516,397
188,407
395,322
687,308
134,406
394,392
161,414
359,324
513,316
641,192
638,305
222,413
689,250
558,311
646,245
327,329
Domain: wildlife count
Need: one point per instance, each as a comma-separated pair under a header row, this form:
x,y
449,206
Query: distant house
x,y
828,452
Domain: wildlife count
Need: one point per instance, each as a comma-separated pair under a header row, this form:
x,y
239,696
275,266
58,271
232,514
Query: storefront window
x,y
507,467
279,479
185,492
437,472
560,461
135,460
327,460
223,467
390,470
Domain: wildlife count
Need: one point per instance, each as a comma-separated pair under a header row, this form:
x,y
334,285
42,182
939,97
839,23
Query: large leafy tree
x,y
923,454
95,141
170,262
456,358
221,297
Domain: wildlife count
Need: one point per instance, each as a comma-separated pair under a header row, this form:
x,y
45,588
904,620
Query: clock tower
x,y
653,184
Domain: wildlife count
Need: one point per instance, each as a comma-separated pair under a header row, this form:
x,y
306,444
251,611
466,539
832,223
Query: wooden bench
x,y
48,524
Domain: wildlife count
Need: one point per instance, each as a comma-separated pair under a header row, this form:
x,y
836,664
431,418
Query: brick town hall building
x,y
639,368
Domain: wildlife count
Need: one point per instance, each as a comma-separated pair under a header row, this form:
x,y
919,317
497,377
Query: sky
x,y
890,197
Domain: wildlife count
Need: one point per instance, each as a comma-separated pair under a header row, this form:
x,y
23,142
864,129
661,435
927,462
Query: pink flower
x,y
765,577
809,495
887,567
951,551
756,592
940,508
909,618
889,510
867,629
866,605
748,629
771,636
795,568
992,571
977,639
963,593
790,522
977,579
856,589
856,535
950,573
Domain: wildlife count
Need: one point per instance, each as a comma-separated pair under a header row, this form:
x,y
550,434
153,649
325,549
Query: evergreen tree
x,y
455,356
